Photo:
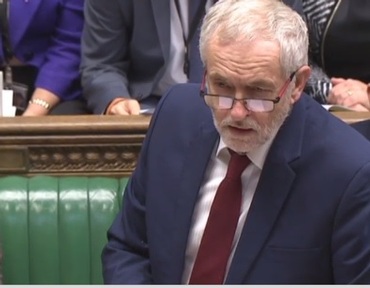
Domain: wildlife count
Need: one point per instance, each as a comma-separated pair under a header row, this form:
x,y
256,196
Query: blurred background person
x,y
40,54
133,51
339,48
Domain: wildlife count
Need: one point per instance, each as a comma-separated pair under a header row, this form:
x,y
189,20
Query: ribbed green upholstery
x,y
53,229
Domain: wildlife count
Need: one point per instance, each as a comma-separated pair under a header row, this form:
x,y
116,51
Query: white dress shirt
x,y
215,173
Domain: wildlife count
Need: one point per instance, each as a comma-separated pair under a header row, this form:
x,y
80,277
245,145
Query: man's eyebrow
x,y
219,77
264,83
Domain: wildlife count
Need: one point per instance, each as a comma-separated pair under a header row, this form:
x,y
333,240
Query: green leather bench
x,y
53,228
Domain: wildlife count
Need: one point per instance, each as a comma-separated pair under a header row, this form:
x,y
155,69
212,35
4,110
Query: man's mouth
x,y
240,129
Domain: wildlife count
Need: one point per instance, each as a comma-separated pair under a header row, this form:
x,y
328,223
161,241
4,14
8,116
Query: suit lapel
x,y
196,161
23,19
193,7
162,18
271,193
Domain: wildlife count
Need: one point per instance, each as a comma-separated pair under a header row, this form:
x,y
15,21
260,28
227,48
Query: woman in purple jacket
x,y
41,50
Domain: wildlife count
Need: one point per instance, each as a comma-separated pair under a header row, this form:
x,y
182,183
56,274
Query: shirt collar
x,y
257,156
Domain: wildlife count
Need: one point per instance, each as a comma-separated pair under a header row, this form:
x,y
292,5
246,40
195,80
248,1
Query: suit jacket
x,y
309,219
363,127
125,48
47,35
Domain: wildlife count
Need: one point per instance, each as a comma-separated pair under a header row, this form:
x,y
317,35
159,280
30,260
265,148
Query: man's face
x,y
241,70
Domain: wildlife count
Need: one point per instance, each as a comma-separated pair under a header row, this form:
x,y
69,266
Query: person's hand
x,y
123,106
349,93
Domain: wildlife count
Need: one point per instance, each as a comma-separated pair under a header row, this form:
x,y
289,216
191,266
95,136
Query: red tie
x,y
215,246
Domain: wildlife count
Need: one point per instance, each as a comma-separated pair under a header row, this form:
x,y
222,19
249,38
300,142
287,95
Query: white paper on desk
x,y
6,99
147,111
336,108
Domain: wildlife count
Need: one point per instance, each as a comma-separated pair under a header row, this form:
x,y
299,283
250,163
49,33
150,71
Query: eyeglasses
x,y
253,103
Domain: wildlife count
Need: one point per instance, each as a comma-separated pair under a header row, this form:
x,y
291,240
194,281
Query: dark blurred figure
x,y
133,51
340,45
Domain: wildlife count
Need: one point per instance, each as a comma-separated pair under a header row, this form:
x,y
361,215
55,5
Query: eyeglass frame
x,y
281,93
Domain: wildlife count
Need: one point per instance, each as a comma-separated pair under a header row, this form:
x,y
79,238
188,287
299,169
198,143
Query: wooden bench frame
x,y
71,145
80,145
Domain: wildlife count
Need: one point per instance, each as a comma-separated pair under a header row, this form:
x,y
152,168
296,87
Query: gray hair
x,y
250,20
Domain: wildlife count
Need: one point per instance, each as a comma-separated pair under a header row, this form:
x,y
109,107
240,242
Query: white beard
x,y
262,132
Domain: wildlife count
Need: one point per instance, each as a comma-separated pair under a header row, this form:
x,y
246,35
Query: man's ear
x,y
301,78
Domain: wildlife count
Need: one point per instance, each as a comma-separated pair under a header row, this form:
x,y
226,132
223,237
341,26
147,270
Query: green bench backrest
x,y
53,229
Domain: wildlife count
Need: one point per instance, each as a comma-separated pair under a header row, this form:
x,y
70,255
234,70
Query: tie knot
x,y
237,164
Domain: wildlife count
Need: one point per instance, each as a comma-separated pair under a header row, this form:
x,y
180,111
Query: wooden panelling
x,y
80,145
71,145
351,117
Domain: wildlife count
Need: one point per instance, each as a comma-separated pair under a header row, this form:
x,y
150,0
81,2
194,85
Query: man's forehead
x,y
244,52
242,42
253,80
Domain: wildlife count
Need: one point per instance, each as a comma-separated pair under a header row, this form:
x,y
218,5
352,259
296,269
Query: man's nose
x,y
239,111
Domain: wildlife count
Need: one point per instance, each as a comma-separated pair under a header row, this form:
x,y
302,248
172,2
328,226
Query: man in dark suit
x,y
133,51
302,205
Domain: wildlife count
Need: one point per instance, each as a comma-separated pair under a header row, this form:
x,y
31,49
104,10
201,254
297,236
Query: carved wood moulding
x,y
118,159
81,145
71,145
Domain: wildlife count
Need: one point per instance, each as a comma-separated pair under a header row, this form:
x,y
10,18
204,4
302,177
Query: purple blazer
x,y
46,34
